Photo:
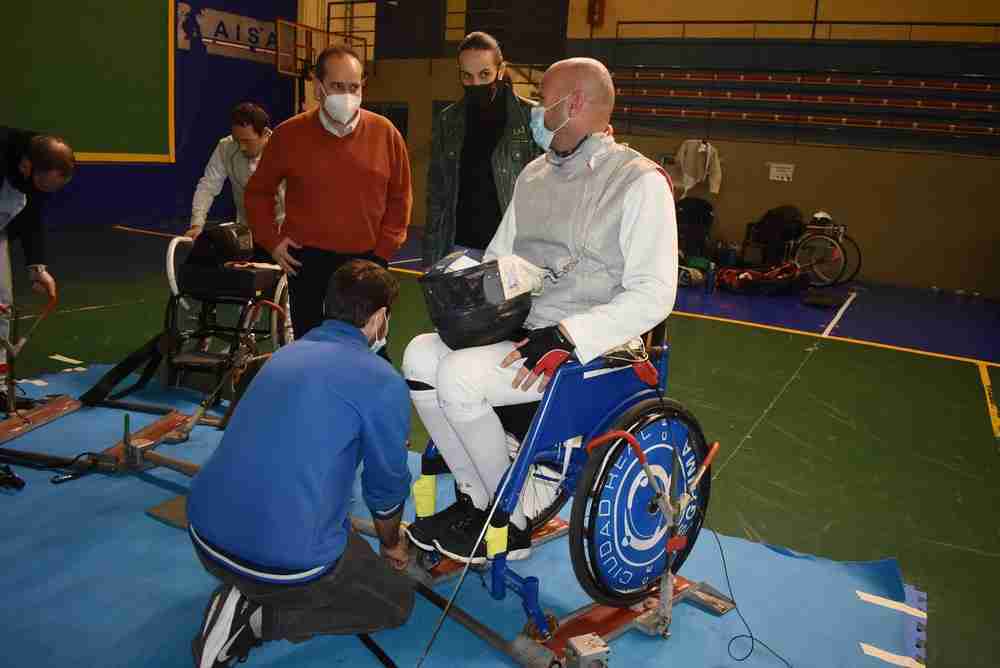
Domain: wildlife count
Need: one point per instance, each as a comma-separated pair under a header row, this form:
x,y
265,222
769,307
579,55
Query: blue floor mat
x,y
786,311
90,580
936,322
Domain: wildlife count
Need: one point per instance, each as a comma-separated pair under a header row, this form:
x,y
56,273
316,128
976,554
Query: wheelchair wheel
x,y
822,258
543,494
852,253
617,536
281,328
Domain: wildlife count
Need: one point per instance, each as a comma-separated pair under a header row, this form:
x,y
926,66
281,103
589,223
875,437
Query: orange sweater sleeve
x,y
399,200
261,190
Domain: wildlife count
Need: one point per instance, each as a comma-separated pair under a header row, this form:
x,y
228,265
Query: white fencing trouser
x,y
458,410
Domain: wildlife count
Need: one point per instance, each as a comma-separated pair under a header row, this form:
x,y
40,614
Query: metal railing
x,y
350,28
456,22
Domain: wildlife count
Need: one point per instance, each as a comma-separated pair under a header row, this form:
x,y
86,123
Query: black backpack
x,y
694,223
775,229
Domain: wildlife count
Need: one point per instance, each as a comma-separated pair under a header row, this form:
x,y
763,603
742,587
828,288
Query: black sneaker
x,y
425,530
458,541
226,634
459,537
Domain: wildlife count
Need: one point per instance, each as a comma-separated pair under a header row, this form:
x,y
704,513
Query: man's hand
x,y
543,351
43,283
284,258
398,555
193,231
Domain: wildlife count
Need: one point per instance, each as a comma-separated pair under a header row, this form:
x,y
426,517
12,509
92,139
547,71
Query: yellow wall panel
x,y
670,10
911,10
418,83
781,10
921,219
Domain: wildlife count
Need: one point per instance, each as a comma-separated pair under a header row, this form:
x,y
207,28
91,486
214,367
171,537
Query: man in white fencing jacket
x,y
599,218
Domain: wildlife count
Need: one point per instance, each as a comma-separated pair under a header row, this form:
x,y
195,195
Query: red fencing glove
x,y
545,350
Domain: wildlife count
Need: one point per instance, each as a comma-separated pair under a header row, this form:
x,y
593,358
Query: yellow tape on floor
x,y
991,404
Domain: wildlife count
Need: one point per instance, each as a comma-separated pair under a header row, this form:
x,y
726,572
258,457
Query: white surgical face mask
x,y
341,106
379,344
542,135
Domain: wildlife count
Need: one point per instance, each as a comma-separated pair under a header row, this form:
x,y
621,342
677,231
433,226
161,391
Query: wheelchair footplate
x,y
47,410
581,638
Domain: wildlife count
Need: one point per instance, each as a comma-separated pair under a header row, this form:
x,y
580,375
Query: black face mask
x,y
483,94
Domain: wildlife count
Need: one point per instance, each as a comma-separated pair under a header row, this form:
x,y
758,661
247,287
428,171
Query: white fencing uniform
x,y
229,162
603,222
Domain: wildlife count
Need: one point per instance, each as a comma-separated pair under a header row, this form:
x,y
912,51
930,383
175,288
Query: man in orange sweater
x,y
347,178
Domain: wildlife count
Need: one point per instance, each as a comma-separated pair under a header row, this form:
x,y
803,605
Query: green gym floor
x,y
828,447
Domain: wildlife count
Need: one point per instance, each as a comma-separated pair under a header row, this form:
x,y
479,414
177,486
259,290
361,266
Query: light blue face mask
x,y
542,135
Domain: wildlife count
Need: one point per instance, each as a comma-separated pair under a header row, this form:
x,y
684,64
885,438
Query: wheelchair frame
x,y
559,437
236,336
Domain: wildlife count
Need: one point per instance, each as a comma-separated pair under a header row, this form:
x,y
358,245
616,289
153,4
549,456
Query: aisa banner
x,y
224,34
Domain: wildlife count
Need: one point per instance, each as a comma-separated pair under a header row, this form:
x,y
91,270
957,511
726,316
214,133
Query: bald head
x,y
590,76
589,95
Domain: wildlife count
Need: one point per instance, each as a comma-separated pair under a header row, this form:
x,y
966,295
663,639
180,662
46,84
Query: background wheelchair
x,y
201,337
584,439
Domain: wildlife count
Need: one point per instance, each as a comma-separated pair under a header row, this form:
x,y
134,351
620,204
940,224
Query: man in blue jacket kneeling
x,y
268,513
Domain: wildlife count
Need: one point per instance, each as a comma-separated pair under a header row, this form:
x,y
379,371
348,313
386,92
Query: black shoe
x,y
458,541
226,634
425,530
460,536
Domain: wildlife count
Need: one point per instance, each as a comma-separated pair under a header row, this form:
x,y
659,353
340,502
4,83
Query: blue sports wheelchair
x,y
604,433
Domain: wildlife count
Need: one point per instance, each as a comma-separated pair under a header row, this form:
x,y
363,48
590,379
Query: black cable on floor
x,y
749,634
70,466
373,647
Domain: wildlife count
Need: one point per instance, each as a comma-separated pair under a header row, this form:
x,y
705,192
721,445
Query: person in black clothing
x,y
478,209
34,166
479,146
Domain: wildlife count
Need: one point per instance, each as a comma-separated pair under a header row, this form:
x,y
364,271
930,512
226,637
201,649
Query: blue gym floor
x,y
91,580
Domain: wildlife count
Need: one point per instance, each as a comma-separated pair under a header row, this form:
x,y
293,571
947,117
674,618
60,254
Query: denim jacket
x,y
514,150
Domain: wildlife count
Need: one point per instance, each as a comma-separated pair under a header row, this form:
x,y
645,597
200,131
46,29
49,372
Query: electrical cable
x,y
749,634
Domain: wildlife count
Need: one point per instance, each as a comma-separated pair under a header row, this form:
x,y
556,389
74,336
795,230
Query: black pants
x,y
307,289
361,594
